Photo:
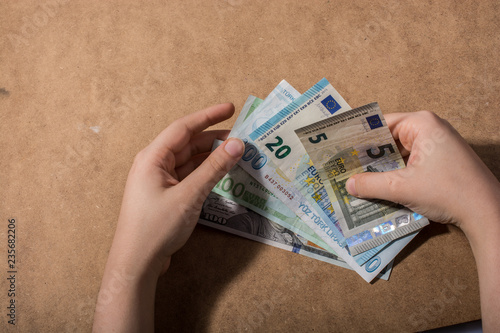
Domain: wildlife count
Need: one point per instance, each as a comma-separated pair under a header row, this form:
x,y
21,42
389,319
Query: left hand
x,y
168,183
166,187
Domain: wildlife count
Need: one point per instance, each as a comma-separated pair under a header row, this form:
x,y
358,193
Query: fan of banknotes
x,y
289,188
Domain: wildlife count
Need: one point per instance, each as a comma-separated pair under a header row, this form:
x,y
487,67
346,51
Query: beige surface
x,y
132,67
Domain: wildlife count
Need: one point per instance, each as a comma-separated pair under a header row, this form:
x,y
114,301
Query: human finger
x,y
391,186
201,181
179,133
199,143
404,152
184,170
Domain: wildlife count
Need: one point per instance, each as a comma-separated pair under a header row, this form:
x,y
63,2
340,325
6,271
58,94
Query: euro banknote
x,y
319,102
276,139
243,189
268,174
226,215
239,186
353,142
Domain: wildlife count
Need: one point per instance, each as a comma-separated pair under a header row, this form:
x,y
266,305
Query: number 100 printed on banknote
x,y
353,142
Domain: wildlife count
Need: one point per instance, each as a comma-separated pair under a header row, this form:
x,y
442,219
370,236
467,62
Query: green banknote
x,y
240,187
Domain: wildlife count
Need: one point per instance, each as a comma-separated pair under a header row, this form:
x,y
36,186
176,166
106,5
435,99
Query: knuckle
x,y
143,162
427,113
431,117
140,156
217,165
139,160
395,186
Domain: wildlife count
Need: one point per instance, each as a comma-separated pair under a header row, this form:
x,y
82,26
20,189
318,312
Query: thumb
x,y
215,166
378,185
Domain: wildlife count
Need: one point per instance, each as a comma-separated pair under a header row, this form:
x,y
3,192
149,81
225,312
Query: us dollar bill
x,y
353,142
226,215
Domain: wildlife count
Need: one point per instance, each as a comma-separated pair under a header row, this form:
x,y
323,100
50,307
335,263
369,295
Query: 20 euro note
x,y
353,142
226,215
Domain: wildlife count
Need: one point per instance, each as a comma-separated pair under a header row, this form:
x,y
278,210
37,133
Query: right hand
x,y
444,180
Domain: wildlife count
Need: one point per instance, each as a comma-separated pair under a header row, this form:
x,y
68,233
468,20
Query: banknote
x,y
268,174
243,180
249,107
243,189
276,136
276,139
281,95
226,215
353,142
319,102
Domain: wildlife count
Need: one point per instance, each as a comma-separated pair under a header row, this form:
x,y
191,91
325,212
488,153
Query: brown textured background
x,y
132,67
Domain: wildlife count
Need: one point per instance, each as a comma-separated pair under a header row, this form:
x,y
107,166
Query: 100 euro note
x,y
353,142
258,165
226,215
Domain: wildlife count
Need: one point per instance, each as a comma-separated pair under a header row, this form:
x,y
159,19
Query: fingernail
x,y
234,147
351,186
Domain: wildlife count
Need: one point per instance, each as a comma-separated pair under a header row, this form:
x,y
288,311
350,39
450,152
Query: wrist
x,y
482,225
126,298
133,263
139,256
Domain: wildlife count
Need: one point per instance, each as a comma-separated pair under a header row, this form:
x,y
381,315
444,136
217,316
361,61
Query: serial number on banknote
x,y
279,187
